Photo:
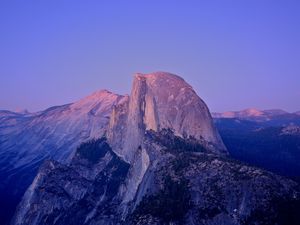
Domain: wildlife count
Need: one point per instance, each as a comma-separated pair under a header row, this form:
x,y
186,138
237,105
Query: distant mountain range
x,y
274,116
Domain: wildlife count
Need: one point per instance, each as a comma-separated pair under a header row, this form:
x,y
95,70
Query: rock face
x,y
26,140
161,101
158,101
199,188
75,194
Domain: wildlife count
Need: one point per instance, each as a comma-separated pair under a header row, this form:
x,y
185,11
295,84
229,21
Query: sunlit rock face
x,y
161,101
158,101
56,131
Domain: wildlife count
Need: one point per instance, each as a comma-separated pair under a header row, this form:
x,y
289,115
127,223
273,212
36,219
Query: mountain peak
x,y
161,101
162,81
100,94
104,96
158,75
252,112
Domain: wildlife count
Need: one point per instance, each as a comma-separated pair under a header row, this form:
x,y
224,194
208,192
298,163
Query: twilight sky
x,y
236,54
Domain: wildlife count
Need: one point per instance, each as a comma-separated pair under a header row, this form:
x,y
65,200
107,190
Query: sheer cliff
x,y
161,101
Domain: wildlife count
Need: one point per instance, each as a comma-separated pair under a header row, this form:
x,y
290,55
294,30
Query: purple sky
x,y
236,54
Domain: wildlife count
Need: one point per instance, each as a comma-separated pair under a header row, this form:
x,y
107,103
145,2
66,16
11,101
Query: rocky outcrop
x,y
78,193
158,101
183,184
161,101
198,188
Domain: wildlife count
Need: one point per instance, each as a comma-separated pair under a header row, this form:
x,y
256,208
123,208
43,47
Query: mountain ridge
x,y
160,161
56,132
26,140
176,106
252,113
